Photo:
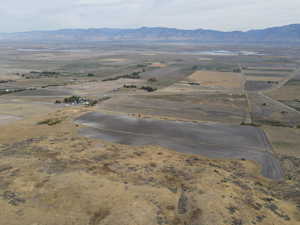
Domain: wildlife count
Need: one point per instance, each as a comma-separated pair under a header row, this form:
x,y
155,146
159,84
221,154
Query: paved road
x,y
207,139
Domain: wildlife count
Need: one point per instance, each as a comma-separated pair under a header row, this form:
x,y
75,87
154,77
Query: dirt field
x,y
264,78
201,107
191,138
213,79
287,94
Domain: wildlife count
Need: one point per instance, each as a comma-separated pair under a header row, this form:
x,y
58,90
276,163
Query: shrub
x,y
129,86
80,101
237,70
134,75
50,122
149,89
152,80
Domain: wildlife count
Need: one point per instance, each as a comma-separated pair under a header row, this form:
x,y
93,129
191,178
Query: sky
x,y
225,15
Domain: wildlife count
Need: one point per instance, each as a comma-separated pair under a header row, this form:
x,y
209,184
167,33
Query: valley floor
x,y
173,139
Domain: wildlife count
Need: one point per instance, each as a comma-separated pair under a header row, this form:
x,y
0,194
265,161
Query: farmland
x,y
91,132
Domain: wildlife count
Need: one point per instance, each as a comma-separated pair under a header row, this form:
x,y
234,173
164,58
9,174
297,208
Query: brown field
x,y
182,87
269,69
285,93
215,79
262,78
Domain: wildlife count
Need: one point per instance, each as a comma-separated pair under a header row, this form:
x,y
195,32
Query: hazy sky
x,y
25,15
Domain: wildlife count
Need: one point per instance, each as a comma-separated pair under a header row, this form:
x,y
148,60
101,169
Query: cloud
x,y
190,14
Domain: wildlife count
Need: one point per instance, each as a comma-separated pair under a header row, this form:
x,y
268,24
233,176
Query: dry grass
x,y
287,92
5,119
262,78
216,79
205,59
9,77
50,175
284,140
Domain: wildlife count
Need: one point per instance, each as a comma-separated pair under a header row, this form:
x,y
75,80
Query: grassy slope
x,y
50,175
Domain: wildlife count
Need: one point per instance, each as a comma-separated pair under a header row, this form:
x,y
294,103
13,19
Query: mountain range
x,y
283,34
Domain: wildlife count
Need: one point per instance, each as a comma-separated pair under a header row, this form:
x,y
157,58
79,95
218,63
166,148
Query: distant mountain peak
x,y
284,34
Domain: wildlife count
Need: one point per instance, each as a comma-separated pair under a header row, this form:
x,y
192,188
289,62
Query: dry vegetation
x,y
50,170
51,175
213,79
